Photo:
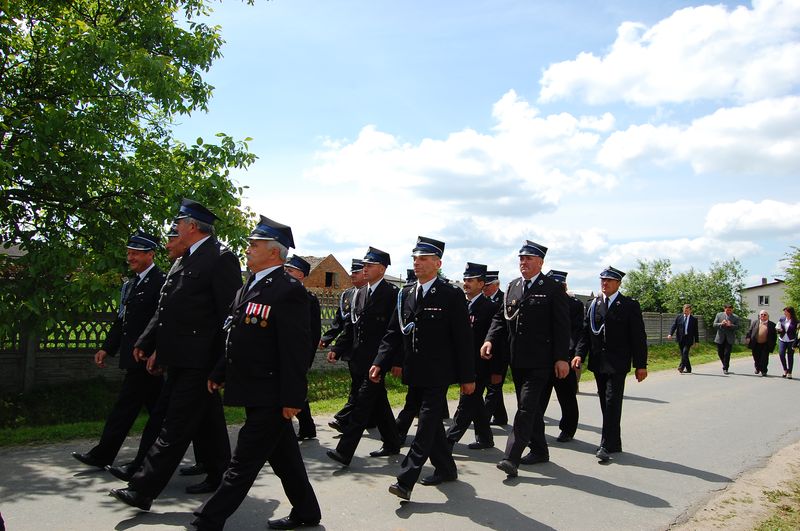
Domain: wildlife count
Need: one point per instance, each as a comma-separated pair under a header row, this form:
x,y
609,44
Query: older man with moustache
x,y
534,320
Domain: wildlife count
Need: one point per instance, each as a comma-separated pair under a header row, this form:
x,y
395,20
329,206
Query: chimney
x,y
763,280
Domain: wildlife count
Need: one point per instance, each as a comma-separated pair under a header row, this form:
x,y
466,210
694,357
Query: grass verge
x,y
78,411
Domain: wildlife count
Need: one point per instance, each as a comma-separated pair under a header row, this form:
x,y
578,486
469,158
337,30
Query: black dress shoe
x,y
436,479
336,426
306,436
383,452
480,445
564,437
533,459
290,522
123,472
132,498
203,487
603,455
89,459
508,467
400,491
339,458
194,470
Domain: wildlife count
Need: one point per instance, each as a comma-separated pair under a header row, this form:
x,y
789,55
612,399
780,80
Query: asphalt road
x,y
684,437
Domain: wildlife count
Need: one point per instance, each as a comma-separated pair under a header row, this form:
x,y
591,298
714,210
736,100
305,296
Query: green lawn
x,y
78,411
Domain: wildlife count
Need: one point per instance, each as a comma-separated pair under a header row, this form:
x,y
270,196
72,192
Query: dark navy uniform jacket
x,y
136,310
266,355
438,351
371,315
186,329
536,325
622,342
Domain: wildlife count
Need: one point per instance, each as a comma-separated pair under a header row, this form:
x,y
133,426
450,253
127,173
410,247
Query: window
x,y
763,300
330,279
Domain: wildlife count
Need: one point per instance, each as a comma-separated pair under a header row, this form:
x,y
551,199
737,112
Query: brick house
x,y
327,273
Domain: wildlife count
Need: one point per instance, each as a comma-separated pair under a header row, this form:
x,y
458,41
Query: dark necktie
x,y
420,295
528,284
602,309
133,283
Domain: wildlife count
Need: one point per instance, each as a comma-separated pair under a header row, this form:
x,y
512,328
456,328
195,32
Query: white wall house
x,y
768,296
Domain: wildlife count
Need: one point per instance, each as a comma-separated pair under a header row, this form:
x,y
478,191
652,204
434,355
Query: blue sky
x,y
608,131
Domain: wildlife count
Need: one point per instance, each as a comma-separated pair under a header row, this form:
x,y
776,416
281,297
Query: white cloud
x,y
682,252
704,52
760,138
750,219
523,166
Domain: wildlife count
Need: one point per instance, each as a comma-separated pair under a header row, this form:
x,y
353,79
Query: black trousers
x,y
495,406
724,353
566,391
760,356
265,437
471,410
139,388
528,426
305,422
685,363
153,427
610,389
343,416
430,441
191,412
371,403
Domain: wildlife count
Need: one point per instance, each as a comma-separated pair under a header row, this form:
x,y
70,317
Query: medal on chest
x,y
256,314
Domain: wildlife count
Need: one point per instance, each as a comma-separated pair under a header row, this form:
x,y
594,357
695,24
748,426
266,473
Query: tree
x,y
647,284
88,93
793,278
708,292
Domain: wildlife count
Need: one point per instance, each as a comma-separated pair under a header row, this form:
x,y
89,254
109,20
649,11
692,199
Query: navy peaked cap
x,y
492,276
558,276
612,273
193,209
475,271
427,247
376,256
173,230
142,241
272,230
532,249
410,275
356,265
297,262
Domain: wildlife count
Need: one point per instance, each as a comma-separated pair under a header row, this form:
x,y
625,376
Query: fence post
x,y
29,374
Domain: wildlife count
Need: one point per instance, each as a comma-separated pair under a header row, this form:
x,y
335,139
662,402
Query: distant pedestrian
x,y
787,332
761,339
725,323
686,334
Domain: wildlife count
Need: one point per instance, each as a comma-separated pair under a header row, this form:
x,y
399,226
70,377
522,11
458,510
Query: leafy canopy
x,y
88,93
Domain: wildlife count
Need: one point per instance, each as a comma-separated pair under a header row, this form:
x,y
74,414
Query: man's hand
x,y
486,350
467,388
397,372
561,369
495,379
641,374
213,386
289,412
100,358
669,336
139,355
576,363
331,357
374,374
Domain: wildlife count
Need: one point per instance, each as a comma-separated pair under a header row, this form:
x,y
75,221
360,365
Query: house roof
x,y
313,261
775,282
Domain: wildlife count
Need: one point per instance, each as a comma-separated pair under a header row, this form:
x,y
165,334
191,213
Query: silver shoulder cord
x,y
353,317
404,328
505,305
595,331
341,306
